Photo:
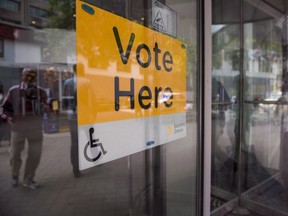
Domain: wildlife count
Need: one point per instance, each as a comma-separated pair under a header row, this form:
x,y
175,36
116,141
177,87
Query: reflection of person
x,y
70,94
220,103
23,108
2,121
1,92
219,97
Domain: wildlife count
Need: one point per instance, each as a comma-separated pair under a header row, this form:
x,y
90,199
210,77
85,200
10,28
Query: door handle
x,y
276,102
221,103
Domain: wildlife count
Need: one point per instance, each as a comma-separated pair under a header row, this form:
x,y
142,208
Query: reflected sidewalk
x,y
60,193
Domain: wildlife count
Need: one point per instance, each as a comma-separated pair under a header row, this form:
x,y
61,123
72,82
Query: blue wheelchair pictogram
x,y
92,144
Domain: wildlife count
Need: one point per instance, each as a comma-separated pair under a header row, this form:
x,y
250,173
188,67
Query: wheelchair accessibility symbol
x,y
93,143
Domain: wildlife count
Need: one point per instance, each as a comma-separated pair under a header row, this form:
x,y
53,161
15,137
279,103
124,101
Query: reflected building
x,y
28,13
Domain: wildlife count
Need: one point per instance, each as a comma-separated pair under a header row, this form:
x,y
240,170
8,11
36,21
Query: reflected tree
x,y
62,14
60,32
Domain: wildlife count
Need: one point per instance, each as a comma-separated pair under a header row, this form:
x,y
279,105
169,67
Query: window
x,y
10,5
38,12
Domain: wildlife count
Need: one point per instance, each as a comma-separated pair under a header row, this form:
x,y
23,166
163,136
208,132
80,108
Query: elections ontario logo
x,y
93,149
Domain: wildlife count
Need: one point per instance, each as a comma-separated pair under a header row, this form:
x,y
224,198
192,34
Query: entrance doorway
x,y
249,106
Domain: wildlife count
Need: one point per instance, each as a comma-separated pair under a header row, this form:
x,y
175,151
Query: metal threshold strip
x,y
245,203
261,209
258,207
276,102
228,206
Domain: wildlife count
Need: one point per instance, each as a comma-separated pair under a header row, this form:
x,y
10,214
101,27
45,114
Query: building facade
x,y
143,107
25,13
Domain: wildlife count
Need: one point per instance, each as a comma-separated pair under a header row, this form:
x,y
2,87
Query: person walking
x,y
2,121
71,103
23,108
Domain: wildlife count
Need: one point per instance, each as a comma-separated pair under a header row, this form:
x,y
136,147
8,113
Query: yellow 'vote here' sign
x,y
131,86
149,73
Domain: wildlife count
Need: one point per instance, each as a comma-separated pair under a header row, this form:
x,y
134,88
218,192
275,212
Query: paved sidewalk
x,y
103,190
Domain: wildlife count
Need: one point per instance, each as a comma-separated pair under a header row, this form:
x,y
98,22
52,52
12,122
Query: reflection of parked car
x,y
233,99
271,103
189,106
270,107
233,102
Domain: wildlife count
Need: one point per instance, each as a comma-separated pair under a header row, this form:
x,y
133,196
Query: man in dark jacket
x,y
23,108
71,102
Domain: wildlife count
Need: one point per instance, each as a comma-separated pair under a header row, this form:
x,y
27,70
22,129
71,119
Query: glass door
x,y
264,130
129,67
225,105
249,105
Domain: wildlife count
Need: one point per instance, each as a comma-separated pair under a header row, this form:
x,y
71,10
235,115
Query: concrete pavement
x,y
103,190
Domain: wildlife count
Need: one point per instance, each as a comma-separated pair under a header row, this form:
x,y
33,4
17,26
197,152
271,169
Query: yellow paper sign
x,y
125,70
55,105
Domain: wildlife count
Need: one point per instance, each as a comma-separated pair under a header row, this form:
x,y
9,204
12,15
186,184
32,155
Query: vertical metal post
x,y
283,129
205,102
241,99
200,119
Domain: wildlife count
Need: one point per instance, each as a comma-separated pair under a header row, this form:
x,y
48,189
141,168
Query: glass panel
x,y
10,5
264,150
40,77
225,90
38,12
